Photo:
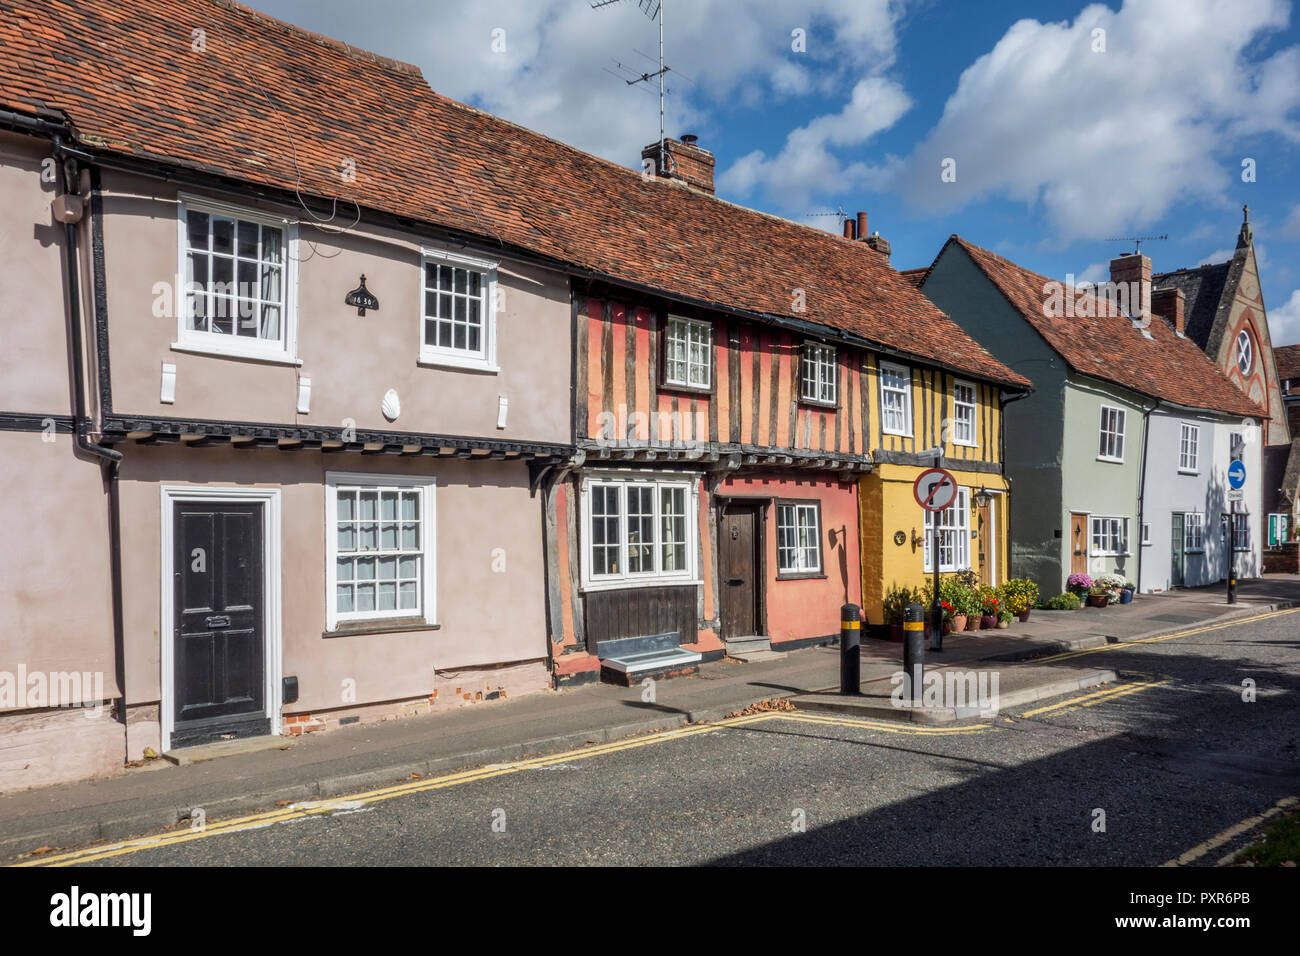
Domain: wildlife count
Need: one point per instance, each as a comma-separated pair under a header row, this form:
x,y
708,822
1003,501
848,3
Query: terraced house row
x,y
337,400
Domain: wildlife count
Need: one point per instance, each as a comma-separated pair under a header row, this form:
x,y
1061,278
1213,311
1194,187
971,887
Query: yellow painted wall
x,y
885,501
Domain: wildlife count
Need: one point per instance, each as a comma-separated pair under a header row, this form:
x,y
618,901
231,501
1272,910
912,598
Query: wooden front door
x,y
984,542
1078,544
739,569
1177,570
218,662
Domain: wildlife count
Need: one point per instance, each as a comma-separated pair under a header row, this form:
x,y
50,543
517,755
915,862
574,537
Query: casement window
x,y
380,544
1146,534
954,535
639,531
688,348
1189,443
1193,532
817,374
239,274
458,320
1279,528
1240,532
798,538
964,408
1111,444
895,400
1109,536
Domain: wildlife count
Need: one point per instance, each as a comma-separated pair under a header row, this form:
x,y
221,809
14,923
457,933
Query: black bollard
x,y
914,648
850,649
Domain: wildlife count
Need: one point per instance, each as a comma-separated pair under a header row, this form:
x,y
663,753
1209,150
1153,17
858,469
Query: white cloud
x,y
1109,141
1291,226
1284,322
552,77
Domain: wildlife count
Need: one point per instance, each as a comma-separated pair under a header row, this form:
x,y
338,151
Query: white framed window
x,y
798,538
817,374
954,535
1189,445
1109,536
1193,532
688,348
895,400
1146,534
1245,353
1110,447
964,410
1279,529
639,531
458,311
379,532
238,278
1240,532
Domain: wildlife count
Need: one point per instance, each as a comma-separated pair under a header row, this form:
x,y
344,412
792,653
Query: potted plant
x,y
1114,585
947,617
1098,596
1004,617
894,608
1126,592
1019,596
1079,584
955,596
990,607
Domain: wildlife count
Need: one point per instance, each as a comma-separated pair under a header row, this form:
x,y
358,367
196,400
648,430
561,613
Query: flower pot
x,y
973,622
1098,600
988,622
947,626
1126,596
957,623
1023,615
1002,623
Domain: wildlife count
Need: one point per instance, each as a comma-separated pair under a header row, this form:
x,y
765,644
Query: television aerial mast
x,y
654,9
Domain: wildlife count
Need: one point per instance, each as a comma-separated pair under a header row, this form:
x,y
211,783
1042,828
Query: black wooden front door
x,y
219,650
738,569
1178,567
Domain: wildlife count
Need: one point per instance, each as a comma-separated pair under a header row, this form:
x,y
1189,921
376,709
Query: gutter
x,y
107,458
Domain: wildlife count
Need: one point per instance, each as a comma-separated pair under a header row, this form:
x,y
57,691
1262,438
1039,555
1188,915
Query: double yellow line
x,y
1067,655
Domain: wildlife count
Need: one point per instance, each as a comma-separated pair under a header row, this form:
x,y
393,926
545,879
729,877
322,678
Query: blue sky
x,y
1061,135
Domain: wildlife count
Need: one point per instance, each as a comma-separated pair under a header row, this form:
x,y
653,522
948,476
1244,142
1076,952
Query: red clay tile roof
x,y
1108,346
271,104
1287,358
915,276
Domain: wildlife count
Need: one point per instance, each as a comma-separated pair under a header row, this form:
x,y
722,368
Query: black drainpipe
x,y
1142,488
107,457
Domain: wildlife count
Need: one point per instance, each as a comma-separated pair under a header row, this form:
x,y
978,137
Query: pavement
x,y
345,760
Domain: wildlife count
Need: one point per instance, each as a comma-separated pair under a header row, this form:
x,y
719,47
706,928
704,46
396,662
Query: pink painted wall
x,y
809,607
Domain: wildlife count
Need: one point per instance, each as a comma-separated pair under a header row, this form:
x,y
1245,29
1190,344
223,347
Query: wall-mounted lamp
x,y
982,498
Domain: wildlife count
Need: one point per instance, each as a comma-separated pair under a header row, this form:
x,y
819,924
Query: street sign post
x,y
1236,482
935,490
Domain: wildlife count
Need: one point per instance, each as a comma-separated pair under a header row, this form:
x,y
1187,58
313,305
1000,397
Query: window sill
x,y
886,431
438,360
219,351
625,584
1185,471
965,444
686,389
389,626
814,403
1112,461
800,576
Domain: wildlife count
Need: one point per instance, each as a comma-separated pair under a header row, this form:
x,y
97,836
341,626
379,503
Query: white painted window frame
x,y
799,508
822,360
961,509
272,638
1117,435
283,351
904,390
624,579
1240,524
485,359
973,406
1193,532
427,484
1189,449
1124,529
687,325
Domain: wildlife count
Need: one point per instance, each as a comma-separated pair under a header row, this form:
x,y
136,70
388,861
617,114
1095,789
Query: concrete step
x,y
756,657
748,644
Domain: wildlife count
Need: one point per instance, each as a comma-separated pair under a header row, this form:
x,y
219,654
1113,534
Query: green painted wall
x,y
1034,445
1091,485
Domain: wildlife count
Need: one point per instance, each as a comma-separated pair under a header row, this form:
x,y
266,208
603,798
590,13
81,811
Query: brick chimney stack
x,y
1133,274
1169,305
686,163
849,231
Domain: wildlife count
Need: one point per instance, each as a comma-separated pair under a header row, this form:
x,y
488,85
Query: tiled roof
x,y
1203,290
1108,346
1287,358
271,104
915,276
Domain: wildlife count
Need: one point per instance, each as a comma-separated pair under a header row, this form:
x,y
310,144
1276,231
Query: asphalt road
x,y
1172,756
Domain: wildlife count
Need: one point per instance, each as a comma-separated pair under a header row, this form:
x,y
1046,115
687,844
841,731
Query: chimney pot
x,y
689,138
862,225
849,231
